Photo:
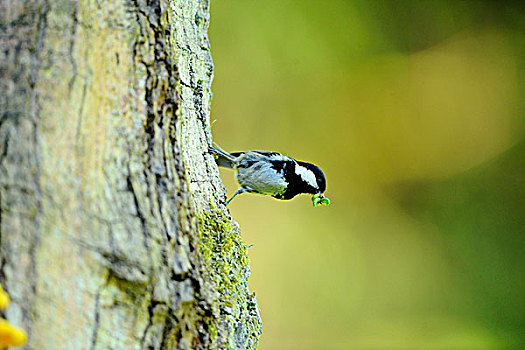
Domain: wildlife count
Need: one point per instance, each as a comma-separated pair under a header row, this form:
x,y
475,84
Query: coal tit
x,y
273,174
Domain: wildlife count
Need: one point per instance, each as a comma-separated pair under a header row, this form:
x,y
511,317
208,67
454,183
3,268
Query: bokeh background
x,y
415,111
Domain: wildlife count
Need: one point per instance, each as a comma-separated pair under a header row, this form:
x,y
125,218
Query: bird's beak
x,y
319,199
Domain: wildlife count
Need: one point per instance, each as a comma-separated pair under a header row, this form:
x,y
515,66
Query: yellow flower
x,y
9,334
4,299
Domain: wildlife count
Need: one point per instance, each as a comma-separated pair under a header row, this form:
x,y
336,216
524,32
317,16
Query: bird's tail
x,y
222,158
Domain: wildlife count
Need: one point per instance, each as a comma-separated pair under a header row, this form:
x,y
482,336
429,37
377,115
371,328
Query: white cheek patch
x,y
307,175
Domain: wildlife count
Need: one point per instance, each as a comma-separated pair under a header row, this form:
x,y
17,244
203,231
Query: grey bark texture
x,y
113,232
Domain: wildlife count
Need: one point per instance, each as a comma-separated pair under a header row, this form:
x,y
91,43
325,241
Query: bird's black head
x,y
301,177
313,178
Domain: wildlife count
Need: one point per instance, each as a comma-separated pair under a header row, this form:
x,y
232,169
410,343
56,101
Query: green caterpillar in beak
x,y
318,199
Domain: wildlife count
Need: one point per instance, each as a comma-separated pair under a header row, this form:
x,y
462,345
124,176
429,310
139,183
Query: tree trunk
x,y
113,232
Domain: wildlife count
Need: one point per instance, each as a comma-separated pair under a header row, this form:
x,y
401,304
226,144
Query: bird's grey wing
x,y
273,156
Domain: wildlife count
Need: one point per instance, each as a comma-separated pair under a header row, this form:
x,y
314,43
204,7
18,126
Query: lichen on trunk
x,y
113,232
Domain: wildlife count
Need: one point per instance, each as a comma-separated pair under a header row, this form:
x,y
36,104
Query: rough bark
x,y
113,233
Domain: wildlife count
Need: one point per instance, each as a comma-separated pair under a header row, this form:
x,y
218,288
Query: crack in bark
x,y
151,313
6,147
168,326
96,326
71,48
140,214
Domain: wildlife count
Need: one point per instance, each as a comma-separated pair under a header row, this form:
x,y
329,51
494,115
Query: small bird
x,y
273,174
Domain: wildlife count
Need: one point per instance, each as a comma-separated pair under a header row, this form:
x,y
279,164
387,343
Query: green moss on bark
x,y
225,255
226,263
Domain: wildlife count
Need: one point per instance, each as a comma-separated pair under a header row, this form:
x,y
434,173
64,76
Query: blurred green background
x,y
415,112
